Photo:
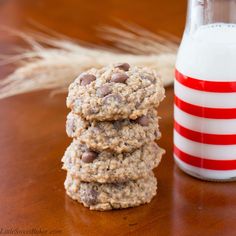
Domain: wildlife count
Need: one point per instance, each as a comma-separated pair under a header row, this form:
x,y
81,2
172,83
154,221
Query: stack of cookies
x,y
114,125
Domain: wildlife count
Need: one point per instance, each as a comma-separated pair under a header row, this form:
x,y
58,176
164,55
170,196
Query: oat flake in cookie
x,y
109,196
115,92
118,136
107,167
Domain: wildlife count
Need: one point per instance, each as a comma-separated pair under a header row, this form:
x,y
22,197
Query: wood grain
x,y
33,139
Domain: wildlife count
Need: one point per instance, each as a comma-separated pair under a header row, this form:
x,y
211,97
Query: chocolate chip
x,y
148,77
117,125
119,78
137,104
91,197
123,66
103,91
113,98
156,133
89,156
93,110
86,79
143,120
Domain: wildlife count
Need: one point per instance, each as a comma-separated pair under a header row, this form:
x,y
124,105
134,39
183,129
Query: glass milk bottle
x,y
205,92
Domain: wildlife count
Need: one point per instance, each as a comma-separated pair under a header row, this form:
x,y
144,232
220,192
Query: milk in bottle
x,y
205,92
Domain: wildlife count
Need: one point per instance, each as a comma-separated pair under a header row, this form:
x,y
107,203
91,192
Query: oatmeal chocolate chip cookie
x,y
115,92
110,196
107,167
118,136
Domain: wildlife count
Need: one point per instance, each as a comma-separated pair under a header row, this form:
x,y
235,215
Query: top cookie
x,y
115,92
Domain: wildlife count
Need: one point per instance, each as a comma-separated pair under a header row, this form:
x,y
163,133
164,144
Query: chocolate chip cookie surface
x,y
110,196
107,167
115,92
118,136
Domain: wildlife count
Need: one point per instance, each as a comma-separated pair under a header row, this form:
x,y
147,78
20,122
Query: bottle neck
x,y
204,12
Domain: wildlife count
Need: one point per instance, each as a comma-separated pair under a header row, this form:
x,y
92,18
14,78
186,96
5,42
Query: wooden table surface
x,y
33,139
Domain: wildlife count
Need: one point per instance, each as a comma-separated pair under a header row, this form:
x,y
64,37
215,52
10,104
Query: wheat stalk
x,y
53,61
